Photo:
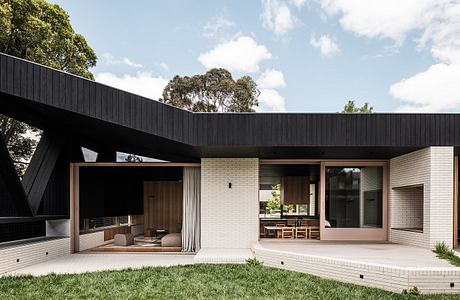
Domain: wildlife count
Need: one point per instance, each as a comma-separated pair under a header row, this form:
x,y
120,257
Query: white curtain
x,y
191,220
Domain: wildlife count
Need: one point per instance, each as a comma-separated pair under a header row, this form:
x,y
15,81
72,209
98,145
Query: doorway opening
x,y
119,207
289,201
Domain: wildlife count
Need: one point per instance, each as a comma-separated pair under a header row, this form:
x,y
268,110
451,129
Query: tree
x,y
351,107
41,32
274,203
21,141
133,158
214,91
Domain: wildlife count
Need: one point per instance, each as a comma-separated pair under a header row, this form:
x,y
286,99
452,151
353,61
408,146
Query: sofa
x,y
172,240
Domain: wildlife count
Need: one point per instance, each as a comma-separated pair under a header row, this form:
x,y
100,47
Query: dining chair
x,y
313,232
301,233
287,233
278,232
262,231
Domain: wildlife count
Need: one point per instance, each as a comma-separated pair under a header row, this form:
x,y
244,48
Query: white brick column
x,y
431,168
229,215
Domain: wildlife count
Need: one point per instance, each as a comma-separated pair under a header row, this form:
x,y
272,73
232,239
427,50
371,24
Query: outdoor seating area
x,y
127,243
290,229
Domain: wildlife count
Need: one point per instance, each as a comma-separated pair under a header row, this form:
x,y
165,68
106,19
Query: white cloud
x,y
271,100
299,3
216,26
436,25
164,66
277,17
240,54
326,45
143,83
271,79
110,60
380,19
436,89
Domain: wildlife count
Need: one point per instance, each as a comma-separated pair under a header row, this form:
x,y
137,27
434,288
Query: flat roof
x,y
101,115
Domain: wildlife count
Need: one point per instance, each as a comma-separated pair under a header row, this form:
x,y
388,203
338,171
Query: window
x,y
99,223
354,197
409,215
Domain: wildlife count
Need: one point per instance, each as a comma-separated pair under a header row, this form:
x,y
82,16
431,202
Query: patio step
x,y
218,256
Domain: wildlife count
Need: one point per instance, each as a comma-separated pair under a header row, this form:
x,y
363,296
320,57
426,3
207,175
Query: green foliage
x,y
274,203
351,107
253,262
444,252
412,291
19,138
198,281
214,91
133,158
41,32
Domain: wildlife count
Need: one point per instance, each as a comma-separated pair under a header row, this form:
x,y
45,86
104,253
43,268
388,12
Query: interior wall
x,y
163,205
118,191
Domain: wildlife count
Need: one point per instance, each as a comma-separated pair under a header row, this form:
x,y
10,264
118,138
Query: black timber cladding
x,y
39,85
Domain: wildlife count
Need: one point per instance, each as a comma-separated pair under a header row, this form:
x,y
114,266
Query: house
x,y
217,177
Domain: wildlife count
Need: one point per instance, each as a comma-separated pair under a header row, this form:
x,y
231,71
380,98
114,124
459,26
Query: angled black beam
x,y
106,155
41,167
13,183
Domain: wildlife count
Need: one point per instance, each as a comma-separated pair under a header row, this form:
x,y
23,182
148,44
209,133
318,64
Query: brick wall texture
x,y
32,252
229,216
431,168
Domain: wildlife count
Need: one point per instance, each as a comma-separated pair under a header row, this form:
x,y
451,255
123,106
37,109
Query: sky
x,y
305,55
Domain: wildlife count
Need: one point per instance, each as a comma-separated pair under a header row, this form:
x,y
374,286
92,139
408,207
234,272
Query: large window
x,y
354,197
289,191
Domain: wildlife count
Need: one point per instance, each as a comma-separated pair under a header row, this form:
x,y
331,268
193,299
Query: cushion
x,y
123,239
172,240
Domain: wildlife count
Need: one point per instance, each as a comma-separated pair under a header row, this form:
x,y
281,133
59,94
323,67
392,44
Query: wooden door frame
x,y
363,234
75,191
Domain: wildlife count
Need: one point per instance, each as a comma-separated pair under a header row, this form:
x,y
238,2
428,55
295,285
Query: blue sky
x,y
307,56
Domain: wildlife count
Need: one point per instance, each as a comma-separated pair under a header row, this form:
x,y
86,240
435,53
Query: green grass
x,y
444,252
191,282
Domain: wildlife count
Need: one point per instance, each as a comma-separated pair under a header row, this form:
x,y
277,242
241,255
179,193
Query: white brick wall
x,y
388,277
20,255
433,168
229,216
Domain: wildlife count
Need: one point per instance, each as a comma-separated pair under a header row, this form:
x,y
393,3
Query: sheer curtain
x,y
191,209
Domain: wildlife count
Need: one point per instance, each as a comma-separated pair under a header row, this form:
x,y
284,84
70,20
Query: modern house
x,y
225,180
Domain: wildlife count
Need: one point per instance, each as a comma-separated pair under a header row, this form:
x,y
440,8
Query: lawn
x,y
191,282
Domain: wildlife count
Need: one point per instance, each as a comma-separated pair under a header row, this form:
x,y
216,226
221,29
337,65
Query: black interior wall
x,y
118,191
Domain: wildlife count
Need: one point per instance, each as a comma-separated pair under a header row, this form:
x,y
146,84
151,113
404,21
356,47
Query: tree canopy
x,y
351,107
214,91
41,32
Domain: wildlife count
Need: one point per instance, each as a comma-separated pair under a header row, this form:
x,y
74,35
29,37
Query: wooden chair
x,y
262,232
288,233
301,233
313,232
278,232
